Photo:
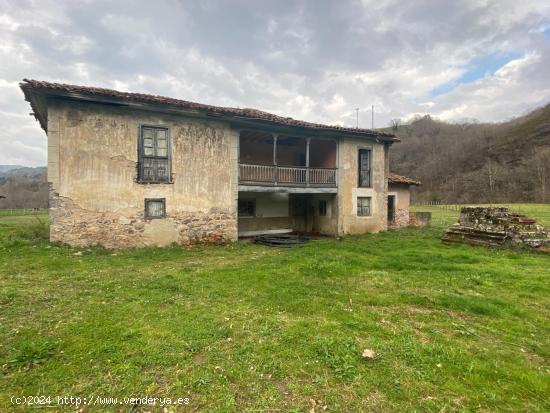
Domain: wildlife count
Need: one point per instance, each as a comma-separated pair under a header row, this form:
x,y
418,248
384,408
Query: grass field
x,y
445,215
246,328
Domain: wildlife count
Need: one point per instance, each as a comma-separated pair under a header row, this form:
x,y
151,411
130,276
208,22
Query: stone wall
x,y
95,197
497,226
129,229
402,197
420,219
401,218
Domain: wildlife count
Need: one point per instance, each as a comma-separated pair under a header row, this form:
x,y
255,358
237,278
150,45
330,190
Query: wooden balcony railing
x,y
286,175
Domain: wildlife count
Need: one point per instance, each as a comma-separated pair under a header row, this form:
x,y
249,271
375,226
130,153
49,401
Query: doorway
x,y
300,211
391,209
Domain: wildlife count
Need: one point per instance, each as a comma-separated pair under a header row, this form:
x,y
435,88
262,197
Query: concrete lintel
x,y
265,232
287,189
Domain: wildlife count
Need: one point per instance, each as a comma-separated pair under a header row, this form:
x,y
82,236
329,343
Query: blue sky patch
x,y
547,33
476,69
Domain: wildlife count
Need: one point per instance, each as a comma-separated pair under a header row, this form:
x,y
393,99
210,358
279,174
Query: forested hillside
x,y
474,162
456,163
24,188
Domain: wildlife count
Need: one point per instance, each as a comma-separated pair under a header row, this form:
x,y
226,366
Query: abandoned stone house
x,y
129,169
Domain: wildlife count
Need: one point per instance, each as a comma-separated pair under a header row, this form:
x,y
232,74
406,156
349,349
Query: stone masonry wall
x,y
401,194
497,226
401,218
129,229
95,198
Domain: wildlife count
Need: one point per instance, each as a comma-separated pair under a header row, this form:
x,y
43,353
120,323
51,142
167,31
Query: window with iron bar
x,y
154,155
155,208
363,206
365,168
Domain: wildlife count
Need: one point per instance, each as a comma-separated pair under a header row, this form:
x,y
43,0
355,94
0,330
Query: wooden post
x,y
275,171
307,161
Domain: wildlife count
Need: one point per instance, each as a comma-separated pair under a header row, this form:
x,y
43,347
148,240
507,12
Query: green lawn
x,y
246,328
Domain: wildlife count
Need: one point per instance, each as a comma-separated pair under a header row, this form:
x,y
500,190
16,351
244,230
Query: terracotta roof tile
x,y
252,114
400,179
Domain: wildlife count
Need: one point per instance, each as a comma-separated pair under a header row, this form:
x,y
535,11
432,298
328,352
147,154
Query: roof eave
x,y
38,104
38,98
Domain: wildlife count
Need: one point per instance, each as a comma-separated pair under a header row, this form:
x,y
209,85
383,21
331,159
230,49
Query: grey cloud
x,y
316,60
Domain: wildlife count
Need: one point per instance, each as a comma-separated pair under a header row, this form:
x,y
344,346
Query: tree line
x,y
24,188
474,162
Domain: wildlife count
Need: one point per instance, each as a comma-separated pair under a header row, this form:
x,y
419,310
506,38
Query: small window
x,y
154,155
155,208
364,168
363,206
247,207
322,208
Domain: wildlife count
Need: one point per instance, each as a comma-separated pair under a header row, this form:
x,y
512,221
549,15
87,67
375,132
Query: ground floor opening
x,y
285,213
391,209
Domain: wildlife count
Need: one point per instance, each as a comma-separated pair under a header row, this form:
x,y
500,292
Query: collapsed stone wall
x,y
420,219
404,218
497,226
128,228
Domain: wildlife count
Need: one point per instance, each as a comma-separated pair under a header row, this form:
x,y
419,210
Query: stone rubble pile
x,y
497,226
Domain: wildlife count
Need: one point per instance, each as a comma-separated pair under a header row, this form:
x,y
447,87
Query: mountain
x,y
24,187
476,162
6,168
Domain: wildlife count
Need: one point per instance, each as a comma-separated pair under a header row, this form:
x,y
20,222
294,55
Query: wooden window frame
x,y
360,182
253,201
148,200
141,155
360,208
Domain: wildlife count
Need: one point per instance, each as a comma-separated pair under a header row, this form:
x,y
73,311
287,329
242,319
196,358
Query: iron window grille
x,y
365,168
363,206
154,155
155,208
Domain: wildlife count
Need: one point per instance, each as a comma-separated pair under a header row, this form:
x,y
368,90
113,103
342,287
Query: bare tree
x,y
542,168
395,124
477,162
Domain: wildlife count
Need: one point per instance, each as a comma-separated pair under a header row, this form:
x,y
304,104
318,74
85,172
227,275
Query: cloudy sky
x,y
312,60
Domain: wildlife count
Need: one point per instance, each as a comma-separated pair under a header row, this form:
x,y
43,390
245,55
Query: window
x,y
154,155
322,208
363,206
247,207
155,207
364,166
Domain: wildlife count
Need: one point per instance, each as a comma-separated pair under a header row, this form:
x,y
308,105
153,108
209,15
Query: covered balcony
x,y
279,160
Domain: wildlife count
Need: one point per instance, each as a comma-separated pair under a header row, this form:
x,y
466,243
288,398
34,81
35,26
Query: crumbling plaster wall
x,y
402,204
328,224
94,196
348,190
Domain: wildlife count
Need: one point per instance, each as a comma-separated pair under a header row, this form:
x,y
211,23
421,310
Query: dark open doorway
x,y
300,209
391,209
